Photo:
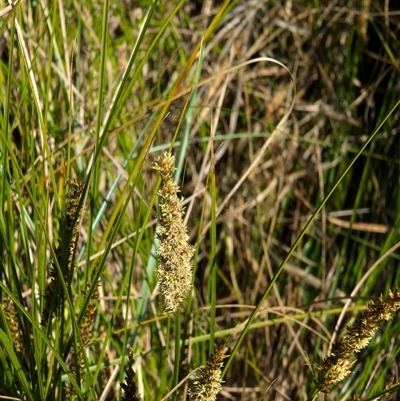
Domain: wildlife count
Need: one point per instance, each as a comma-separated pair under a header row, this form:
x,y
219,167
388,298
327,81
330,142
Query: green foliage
x,y
289,172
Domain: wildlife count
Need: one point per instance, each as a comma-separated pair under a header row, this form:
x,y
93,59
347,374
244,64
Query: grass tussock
x,y
283,121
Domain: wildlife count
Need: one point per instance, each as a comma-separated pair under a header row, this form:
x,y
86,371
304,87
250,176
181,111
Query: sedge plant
x,y
190,194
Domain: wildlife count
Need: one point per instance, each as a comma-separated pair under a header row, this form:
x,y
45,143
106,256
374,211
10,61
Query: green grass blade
x,y
8,345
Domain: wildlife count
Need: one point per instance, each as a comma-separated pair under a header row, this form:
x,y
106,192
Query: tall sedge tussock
x,y
174,253
129,387
338,365
208,384
53,302
12,322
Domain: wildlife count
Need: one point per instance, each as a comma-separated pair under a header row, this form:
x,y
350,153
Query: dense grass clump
x,y
199,200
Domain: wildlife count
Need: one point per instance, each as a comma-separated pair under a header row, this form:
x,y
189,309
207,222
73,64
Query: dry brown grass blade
x,y
367,227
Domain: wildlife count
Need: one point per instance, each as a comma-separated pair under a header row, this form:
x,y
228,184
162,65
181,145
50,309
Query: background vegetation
x,y
285,208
